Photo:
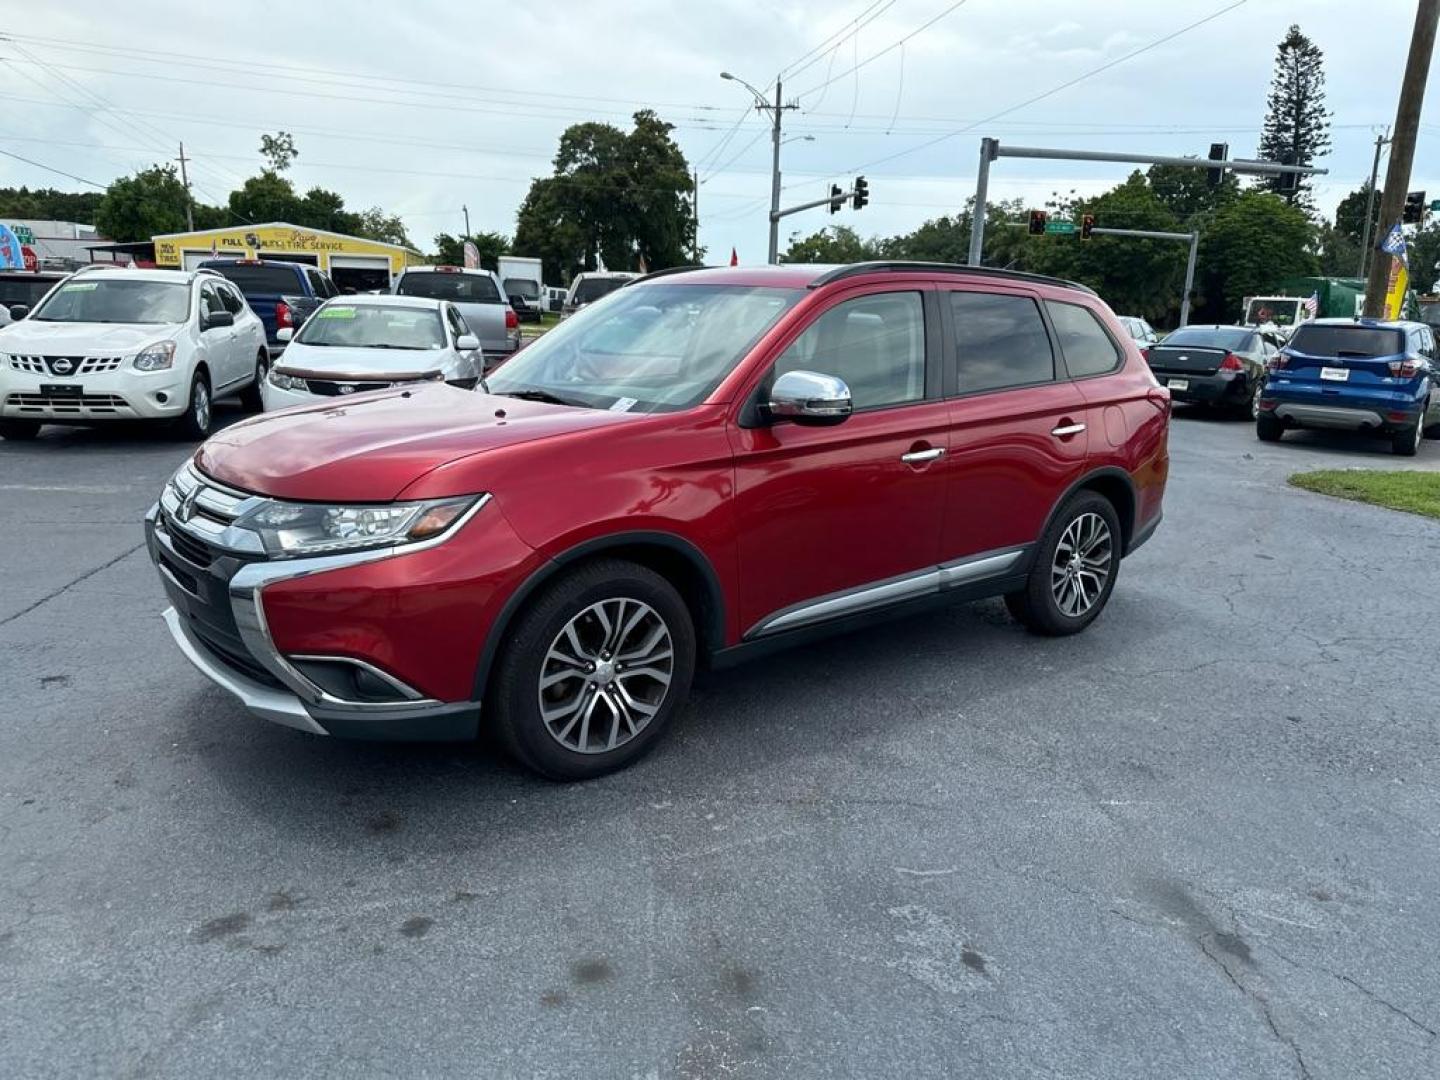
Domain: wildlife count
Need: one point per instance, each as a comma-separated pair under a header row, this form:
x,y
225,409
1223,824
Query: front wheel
x,y
1074,571
19,430
195,423
251,398
1268,429
594,670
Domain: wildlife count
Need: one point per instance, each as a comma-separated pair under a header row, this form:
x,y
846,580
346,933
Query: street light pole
x,y
1380,140
776,110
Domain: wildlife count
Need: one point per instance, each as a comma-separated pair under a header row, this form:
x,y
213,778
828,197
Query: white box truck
x,y
521,278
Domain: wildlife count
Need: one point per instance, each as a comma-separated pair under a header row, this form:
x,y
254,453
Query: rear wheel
x,y
1252,407
250,397
1074,571
1268,429
195,423
1407,443
19,430
594,670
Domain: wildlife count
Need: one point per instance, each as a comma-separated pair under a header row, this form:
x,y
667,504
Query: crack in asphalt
x,y
71,584
1261,1002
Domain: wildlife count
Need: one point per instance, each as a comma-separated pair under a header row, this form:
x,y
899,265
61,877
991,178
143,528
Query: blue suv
x,y
1353,374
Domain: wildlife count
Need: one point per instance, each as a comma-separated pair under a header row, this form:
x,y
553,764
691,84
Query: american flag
x,y
1312,305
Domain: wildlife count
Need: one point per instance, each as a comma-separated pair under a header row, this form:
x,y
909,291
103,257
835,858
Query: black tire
x,y
515,693
1037,607
1268,429
196,421
19,430
1250,408
1406,443
250,398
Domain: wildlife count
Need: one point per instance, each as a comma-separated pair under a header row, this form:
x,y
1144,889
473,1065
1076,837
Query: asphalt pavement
x,y
1197,841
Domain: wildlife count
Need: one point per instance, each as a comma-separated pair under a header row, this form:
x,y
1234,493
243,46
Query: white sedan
x,y
356,343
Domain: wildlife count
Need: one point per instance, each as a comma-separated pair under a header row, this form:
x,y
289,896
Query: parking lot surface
x,y
1197,840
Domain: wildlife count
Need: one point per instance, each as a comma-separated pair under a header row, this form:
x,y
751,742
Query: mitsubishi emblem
x,y
186,510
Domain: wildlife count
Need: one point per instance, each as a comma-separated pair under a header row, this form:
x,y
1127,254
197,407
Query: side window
x,y
210,300
875,343
1086,346
1000,341
457,324
233,301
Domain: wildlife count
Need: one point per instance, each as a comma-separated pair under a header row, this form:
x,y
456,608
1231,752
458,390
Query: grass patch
x,y
1412,492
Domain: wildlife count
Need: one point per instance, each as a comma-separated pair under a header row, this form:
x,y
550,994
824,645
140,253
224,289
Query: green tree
x,y
320,209
1253,243
1188,193
1423,252
268,197
278,150
150,203
617,196
375,224
48,204
1350,214
832,244
450,250
1296,130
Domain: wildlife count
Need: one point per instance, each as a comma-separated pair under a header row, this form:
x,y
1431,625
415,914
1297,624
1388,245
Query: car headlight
x,y
281,381
157,357
290,530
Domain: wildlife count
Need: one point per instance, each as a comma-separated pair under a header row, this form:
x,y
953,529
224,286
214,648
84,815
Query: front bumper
x,y
218,619
124,394
272,397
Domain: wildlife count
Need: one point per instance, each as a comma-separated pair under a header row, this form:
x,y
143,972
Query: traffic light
x,y
1414,211
837,198
1087,222
1037,222
1219,151
1287,183
862,193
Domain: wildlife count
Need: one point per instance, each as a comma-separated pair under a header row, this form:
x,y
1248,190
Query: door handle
x,y
1066,430
917,457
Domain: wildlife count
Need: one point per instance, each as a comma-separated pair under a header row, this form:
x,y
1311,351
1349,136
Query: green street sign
x,y
1059,228
23,234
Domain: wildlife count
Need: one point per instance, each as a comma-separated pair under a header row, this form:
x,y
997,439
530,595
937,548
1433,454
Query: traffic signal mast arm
x,y
859,195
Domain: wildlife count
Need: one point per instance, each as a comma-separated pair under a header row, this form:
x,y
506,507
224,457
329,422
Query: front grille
x,y
234,655
327,388
190,548
73,365
82,405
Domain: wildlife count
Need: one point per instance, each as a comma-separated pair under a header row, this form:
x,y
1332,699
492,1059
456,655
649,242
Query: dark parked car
x,y
1213,365
705,466
1356,375
283,294
1143,333
21,290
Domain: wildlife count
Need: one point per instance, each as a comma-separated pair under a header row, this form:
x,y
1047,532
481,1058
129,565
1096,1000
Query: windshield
x,y
1214,338
251,278
116,299
591,289
653,348
530,290
1359,341
25,290
374,326
440,285
1281,311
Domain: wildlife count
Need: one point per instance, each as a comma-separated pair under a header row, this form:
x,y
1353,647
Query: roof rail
x,y
90,267
207,270
901,266
684,268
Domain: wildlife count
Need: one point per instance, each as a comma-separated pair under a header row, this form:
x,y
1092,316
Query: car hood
x,y
375,445
341,360
82,338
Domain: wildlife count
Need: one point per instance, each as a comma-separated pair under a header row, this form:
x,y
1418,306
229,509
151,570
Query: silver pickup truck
x,y
477,294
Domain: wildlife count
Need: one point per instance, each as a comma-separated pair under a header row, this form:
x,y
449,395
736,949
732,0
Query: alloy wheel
x,y
200,405
606,675
1081,564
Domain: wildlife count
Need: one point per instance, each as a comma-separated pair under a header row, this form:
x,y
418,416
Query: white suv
x,y
110,344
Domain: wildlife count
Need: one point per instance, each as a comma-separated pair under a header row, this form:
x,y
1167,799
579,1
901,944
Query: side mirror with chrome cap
x,y
285,333
19,311
467,343
808,397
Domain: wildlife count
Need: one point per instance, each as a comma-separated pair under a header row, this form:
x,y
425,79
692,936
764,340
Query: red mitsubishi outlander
x,y
705,464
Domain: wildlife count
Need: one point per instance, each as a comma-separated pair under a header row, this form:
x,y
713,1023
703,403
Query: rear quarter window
x,y
1086,346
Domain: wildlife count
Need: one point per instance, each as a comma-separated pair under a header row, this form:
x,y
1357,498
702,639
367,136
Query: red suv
x,y
704,465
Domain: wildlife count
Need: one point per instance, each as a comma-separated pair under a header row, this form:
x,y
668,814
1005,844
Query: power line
x,y
1053,90
889,48
51,168
853,27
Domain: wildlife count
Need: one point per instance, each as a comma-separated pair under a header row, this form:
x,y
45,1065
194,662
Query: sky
x,y
423,107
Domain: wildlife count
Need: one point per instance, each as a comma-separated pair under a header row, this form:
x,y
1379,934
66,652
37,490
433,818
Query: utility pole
x,y
695,209
1402,146
466,211
776,110
1380,140
189,202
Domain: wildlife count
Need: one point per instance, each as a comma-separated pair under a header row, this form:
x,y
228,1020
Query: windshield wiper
x,y
539,395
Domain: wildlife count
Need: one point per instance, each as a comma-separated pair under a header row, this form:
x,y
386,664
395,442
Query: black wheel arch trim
x,y
1107,472
711,635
